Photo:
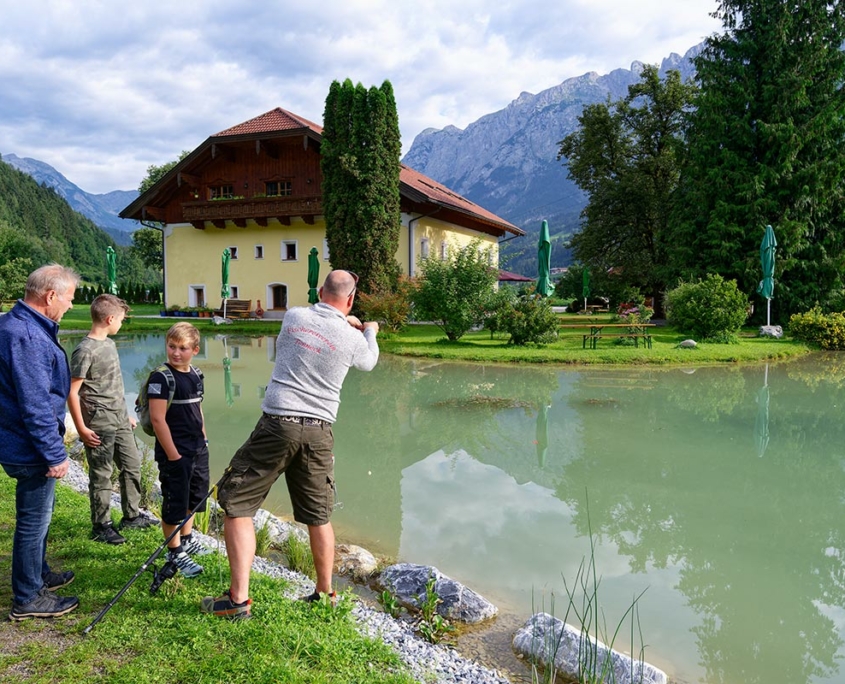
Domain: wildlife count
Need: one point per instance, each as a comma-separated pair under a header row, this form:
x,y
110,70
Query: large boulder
x,y
354,561
407,581
545,639
771,331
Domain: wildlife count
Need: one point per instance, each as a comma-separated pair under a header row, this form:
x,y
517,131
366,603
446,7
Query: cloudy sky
x,y
102,89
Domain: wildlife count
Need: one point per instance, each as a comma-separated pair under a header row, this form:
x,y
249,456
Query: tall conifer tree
x,y
766,147
360,164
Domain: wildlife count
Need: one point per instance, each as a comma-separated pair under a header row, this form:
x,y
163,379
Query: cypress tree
x,y
360,165
764,147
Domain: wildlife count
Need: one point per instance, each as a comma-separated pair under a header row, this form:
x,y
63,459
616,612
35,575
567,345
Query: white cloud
x,y
101,90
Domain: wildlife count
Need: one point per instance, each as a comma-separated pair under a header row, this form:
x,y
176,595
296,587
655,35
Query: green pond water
x,y
720,491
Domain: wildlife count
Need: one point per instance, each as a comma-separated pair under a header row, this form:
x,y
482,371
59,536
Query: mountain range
x,y
101,209
506,162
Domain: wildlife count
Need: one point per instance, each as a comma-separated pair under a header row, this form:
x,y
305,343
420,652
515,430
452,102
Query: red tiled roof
x,y
276,119
513,277
440,194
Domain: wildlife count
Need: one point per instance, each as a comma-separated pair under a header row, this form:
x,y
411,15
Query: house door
x,y
197,297
280,296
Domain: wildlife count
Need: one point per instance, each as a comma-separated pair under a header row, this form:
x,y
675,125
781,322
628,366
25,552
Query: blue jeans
x,y
35,497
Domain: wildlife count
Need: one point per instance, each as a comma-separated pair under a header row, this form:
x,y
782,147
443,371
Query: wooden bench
x,y
593,339
236,308
597,332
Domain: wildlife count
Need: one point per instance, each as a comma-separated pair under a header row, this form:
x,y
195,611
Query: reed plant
x,y
595,665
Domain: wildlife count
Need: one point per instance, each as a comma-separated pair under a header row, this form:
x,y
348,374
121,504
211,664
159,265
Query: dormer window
x,y
278,188
221,191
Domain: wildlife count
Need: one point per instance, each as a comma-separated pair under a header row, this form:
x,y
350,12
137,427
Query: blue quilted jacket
x,y
34,385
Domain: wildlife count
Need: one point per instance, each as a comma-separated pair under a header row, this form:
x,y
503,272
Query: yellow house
x,y
255,189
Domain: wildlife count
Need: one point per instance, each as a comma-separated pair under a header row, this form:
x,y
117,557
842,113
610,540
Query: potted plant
x,y
174,310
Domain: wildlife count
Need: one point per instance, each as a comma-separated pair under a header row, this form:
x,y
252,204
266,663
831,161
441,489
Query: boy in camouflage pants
x,y
98,408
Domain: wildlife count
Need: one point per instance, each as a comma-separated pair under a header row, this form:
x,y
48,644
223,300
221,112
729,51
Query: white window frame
x,y
287,243
259,251
444,250
233,253
325,249
234,292
424,248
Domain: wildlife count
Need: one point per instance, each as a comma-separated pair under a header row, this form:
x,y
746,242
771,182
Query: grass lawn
x,y
428,341
164,637
79,318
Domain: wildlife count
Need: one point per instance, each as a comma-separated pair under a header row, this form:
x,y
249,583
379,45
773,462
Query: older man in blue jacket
x,y
34,385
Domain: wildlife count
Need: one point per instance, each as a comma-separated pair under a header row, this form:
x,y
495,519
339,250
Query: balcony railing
x,y
255,207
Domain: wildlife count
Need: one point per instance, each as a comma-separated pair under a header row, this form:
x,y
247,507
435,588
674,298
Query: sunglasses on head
x,y
355,286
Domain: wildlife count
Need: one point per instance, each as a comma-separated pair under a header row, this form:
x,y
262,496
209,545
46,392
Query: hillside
x,y
36,223
507,161
101,209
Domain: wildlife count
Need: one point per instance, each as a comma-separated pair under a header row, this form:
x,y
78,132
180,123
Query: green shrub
x,y
529,319
455,294
390,309
825,330
498,305
712,308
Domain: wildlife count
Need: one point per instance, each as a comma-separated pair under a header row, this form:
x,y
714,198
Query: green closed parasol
x,y
544,262
224,290
767,261
111,270
313,276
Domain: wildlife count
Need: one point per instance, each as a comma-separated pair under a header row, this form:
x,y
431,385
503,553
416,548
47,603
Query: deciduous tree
x,y
456,293
625,156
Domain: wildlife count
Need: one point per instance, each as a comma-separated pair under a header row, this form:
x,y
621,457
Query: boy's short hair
x,y
106,305
184,332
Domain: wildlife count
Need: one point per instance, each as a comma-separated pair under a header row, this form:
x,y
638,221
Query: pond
x,y
719,491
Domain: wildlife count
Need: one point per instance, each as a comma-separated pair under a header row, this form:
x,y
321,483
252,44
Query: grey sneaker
x,y
106,533
57,580
139,522
44,605
193,548
187,566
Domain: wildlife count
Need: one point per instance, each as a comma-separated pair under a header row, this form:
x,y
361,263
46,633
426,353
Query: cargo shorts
x,y
302,451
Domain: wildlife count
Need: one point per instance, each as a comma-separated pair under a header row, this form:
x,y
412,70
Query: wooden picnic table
x,y
596,333
593,309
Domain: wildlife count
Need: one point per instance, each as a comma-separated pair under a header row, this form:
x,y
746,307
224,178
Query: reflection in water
x,y
482,471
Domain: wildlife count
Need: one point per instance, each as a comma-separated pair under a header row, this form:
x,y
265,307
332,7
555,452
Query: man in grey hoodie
x,y
314,351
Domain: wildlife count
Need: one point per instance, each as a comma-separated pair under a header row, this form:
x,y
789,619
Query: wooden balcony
x,y
259,209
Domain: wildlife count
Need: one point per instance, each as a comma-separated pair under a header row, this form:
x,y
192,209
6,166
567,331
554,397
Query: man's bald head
x,y
338,288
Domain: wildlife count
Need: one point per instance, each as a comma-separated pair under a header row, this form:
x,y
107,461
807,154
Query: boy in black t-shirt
x,y
181,448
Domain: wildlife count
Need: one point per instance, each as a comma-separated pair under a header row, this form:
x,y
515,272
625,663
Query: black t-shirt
x,y
184,417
